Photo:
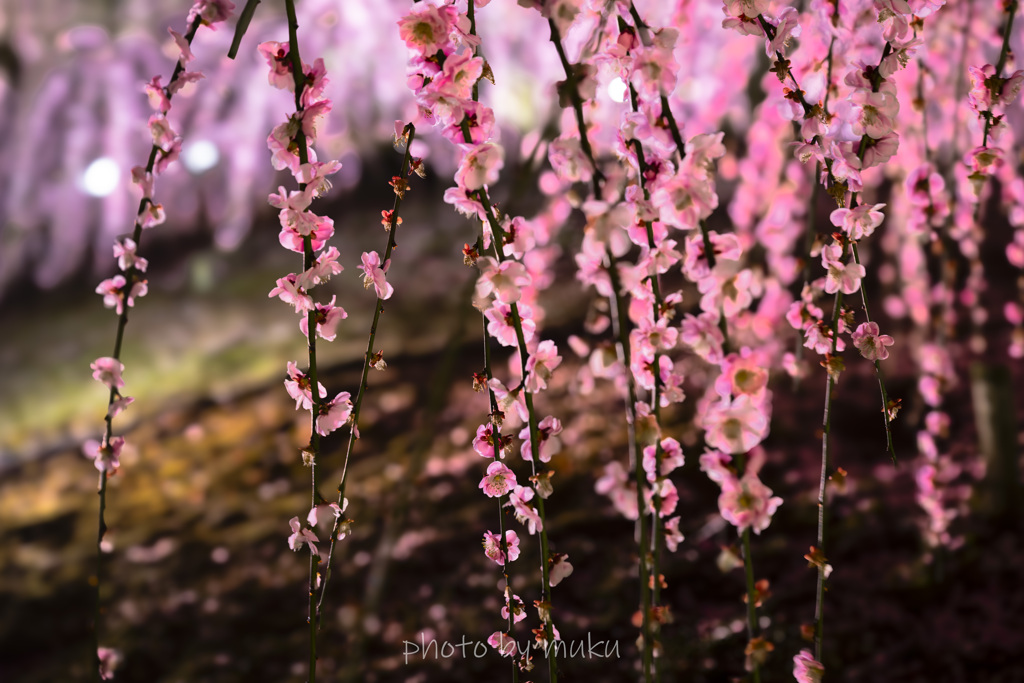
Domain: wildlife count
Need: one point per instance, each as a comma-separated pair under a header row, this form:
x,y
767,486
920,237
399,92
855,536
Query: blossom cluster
x,y
306,233
513,258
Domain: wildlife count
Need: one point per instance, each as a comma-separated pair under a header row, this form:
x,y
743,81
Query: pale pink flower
x,y
427,28
183,47
334,414
327,318
519,499
550,426
299,387
152,216
871,344
501,324
108,371
158,99
806,669
105,456
504,279
540,365
211,12
747,503
735,426
280,63
374,274
291,293
498,481
118,406
668,497
860,222
124,252
163,135
503,643
325,266
841,276
558,568
671,459
492,546
109,659
301,535
515,607
113,288
480,166
673,537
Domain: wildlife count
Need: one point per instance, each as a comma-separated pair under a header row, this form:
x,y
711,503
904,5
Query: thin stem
x,y
410,133
132,276
752,627
878,368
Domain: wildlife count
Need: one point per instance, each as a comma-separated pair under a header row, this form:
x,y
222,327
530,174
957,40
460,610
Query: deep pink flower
x,y
871,344
492,546
498,481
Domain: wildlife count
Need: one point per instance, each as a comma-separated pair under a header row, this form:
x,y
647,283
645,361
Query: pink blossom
x,y
427,28
183,47
113,288
492,546
210,11
105,456
550,426
302,535
540,365
291,293
515,607
736,426
806,669
109,659
498,481
673,537
374,274
161,131
501,325
860,222
480,166
334,414
871,344
668,497
558,568
325,266
747,503
152,216
503,643
158,99
483,442
671,459
519,499
108,371
504,280
280,63
841,276
327,318
299,387
124,252
118,406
